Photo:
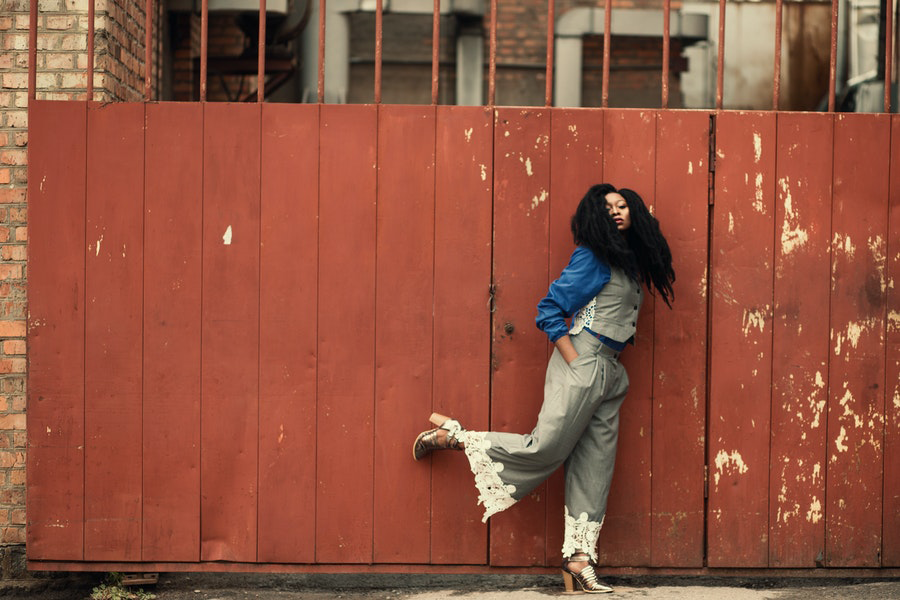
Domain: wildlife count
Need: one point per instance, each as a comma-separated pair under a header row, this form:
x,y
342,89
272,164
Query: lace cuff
x,y
495,495
581,535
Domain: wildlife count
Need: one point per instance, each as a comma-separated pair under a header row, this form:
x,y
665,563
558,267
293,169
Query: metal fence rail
x,y
492,54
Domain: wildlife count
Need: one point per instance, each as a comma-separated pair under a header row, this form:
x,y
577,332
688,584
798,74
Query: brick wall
x,y
61,75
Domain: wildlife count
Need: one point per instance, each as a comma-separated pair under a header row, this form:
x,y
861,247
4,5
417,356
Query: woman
x,y
619,247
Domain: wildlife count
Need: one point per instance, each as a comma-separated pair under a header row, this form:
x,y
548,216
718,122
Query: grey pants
x,y
578,425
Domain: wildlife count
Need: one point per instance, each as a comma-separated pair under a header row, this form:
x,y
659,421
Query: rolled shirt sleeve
x,y
581,280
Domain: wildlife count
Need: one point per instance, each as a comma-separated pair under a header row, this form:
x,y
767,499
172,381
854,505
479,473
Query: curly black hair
x,y
642,252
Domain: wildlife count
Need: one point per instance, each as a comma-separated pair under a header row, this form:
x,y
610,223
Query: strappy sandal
x,y
586,578
429,441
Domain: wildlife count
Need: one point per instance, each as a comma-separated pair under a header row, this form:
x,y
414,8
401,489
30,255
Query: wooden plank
x,y
346,316
800,339
576,163
230,332
741,340
462,322
519,349
172,262
679,350
56,254
854,476
891,526
404,286
113,288
629,159
287,363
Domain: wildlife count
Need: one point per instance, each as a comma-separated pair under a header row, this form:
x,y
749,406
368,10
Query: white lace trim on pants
x,y
581,535
495,495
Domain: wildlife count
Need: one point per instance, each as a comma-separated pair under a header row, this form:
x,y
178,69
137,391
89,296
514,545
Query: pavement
x,y
231,586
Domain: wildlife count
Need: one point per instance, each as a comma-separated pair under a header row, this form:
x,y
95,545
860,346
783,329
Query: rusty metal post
x,y
204,46
776,78
379,32
32,50
89,84
667,8
607,20
261,55
320,91
148,50
888,53
435,49
720,59
492,55
551,23
832,70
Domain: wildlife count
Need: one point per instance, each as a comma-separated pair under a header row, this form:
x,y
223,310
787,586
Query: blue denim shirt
x,y
580,281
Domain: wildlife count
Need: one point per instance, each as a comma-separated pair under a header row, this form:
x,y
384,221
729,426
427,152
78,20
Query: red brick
x,y
21,234
18,403
20,439
9,329
13,252
12,495
17,476
11,347
13,535
11,459
12,196
12,421
12,365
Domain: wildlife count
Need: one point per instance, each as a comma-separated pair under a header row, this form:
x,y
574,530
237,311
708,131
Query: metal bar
x,y
89,84
32,50
888,53
607,19
492,55
667,8
832,70
551,23
720,60
261,55
148,49
379,33
435,49
320,92
776,78
204,46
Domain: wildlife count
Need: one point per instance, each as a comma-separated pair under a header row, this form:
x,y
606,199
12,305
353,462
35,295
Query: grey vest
x,y
614,311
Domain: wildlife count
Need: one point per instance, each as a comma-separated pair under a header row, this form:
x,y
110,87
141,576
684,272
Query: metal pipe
x,y
888,53
435,49
833,60
492,55
720,59
667,8
320,92
261,55
551,24
148,49
89,84
32,50
776,78
379,32
607,20
204,46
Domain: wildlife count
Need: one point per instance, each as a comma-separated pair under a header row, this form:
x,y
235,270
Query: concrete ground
x,y
190,586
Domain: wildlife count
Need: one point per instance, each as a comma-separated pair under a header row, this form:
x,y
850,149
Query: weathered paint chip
x,y
226,238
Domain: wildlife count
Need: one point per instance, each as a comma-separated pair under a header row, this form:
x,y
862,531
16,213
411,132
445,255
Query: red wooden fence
x,y
241,315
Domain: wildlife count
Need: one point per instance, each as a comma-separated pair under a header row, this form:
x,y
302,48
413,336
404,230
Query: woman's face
x,y
618,210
